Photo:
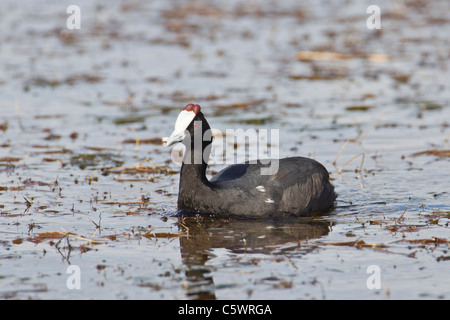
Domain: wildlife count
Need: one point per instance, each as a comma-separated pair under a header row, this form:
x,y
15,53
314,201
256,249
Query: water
x,y
76,190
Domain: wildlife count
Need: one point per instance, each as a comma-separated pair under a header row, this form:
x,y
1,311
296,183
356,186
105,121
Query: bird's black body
x,y
299,187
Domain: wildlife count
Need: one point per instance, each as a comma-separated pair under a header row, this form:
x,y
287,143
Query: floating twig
x,y
361,138
354,157
340,151
136,146
401,217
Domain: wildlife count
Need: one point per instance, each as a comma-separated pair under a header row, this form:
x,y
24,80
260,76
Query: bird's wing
x,y
303,185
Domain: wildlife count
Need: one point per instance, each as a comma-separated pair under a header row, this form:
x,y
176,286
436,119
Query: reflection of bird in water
x,y
269,237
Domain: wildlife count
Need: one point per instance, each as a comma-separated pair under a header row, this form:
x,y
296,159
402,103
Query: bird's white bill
x,y
175,137
183,121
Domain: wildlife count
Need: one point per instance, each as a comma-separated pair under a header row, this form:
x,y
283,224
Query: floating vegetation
x,y
359,108
151,235
241,105
86,160
129,119
434,152
43,236
359,244
155,141
4,126
430,105
257,121
321,56
9,159
142,169
40,81
401,78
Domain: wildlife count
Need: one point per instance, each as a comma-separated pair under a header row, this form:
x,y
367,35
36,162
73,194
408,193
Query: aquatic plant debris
x,y
437,153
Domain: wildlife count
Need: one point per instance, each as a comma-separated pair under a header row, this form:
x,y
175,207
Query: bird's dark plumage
x,y
299,187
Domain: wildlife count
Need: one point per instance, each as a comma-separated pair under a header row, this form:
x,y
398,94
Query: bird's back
x,y
299,187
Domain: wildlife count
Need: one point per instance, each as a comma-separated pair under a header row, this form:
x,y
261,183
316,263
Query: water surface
x,y
85,181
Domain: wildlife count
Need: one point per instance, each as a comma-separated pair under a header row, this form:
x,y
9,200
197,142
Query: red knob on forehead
x,y
192,107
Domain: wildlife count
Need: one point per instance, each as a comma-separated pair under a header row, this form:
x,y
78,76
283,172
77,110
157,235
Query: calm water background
x,y
75,188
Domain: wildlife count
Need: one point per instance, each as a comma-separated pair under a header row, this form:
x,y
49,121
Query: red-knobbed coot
x,y
300,186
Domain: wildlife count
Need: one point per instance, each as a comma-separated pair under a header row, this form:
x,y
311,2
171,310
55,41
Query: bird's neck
x,y
193,169
193,184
